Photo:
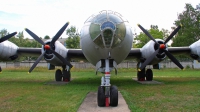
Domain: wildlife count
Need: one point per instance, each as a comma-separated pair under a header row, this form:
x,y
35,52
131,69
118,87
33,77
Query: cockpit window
x,y
100,18
107,29
94,30
120,34
107,24
115,18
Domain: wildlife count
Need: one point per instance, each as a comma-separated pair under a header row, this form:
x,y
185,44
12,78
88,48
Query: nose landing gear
x,y
107,92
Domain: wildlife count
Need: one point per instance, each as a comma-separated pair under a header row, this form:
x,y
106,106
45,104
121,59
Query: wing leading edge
x,y
71,54
136,53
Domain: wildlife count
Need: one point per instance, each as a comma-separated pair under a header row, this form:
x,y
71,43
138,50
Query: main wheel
x,y
113,96
101,98
141,75
149,75
58,75
66,76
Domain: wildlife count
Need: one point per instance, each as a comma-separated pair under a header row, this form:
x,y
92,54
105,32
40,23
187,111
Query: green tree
x,y
190,31
142,39
46,37
73,40
3,33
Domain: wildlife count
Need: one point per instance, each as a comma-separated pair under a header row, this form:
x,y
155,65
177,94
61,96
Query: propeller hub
x,y
47,47
162,46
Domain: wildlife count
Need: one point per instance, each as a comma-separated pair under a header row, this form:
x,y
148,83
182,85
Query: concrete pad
x,y
90,104
148,82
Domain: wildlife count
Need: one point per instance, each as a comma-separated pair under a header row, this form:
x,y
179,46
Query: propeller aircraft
x,y
106,40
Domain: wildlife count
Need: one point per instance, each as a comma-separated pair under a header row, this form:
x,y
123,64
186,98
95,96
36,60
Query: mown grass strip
x,y
20,91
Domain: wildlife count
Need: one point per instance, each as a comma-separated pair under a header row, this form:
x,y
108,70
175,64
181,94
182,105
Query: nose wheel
x,y
107,94
103,100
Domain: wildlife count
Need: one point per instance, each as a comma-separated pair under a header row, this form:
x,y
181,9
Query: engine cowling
x,y
50,57
8,51
195,50
148,49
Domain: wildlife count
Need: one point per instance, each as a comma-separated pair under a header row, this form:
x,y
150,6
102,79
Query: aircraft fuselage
x,y
106,35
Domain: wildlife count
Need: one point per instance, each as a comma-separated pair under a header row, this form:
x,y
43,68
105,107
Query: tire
x,y
149,75
141,75
101,98
58,75
113,96
66,76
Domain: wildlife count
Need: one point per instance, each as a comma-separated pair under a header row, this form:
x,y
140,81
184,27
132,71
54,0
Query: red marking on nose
x,y
47,47
162,46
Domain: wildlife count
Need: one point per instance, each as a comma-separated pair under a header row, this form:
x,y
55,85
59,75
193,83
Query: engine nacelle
x,y
195,50
51,58
8,51
148,49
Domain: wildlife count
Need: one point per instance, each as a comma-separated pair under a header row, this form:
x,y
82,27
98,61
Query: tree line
x,y
71,42
188,34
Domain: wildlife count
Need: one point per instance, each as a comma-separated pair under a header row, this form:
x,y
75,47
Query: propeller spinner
x,y
49,47
161,47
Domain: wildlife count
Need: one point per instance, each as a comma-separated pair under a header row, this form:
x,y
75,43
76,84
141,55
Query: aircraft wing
x,y
71,53
136,53
179,50
76,54
29,51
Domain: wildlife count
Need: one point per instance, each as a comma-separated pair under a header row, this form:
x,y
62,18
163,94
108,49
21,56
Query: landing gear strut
x,y
65,74
141,75
107,92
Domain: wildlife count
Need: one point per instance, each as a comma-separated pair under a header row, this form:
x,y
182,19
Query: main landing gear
x,y
141,75
64,74
106,92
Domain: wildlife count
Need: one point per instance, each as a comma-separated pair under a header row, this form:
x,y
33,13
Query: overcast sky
x,y
46,17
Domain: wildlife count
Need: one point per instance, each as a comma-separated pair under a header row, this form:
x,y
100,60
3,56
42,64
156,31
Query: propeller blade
x,y
59,33
62,59
149,60
147,33
173,33
7,37
170,56
34,36
36,62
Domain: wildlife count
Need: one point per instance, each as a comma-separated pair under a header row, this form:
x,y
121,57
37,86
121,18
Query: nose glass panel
x,y
108,35
107,29
107,24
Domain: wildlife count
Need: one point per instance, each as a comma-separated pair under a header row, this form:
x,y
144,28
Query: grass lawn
x,y
20,91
